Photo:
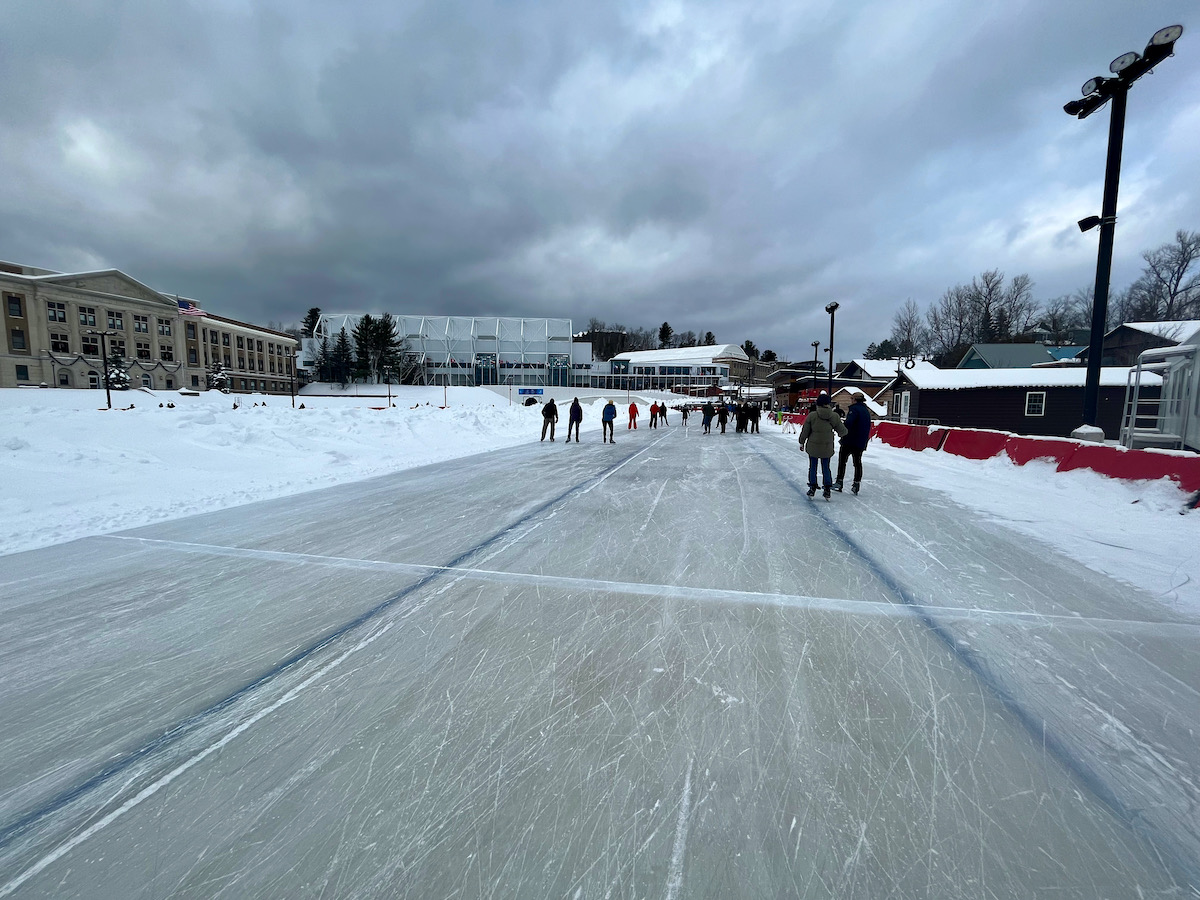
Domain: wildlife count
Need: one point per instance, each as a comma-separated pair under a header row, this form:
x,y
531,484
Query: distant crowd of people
x,y
822,422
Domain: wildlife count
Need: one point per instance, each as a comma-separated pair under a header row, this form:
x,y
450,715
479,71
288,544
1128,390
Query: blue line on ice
x,y
23,823
1186,869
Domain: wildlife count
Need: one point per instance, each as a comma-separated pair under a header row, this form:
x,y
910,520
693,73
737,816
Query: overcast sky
x,y
726,166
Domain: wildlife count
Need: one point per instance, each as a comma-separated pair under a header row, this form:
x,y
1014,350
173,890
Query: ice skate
x,y
812,490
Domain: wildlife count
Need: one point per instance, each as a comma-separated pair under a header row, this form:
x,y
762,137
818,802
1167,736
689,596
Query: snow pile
x,y
71,470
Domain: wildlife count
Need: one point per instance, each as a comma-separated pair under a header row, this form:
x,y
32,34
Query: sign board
x,y
529,390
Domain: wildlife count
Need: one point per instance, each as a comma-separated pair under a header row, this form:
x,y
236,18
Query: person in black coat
x,y
858,432
549,418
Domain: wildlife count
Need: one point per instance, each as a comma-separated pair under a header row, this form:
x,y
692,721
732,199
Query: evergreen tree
x,y
310,322
342,360
664,335
710,339
769,356
364,350
750,349
118,377
217,379
389,345
325,360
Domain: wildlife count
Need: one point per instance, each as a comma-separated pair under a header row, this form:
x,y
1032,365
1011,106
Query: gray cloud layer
x,y
726,166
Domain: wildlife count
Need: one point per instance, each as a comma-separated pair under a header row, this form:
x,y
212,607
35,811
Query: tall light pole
x,y
1128,68
831,309
104,361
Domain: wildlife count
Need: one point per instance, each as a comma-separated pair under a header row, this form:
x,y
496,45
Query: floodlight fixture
x,y
831,307
1123,62
1088,223
1165,36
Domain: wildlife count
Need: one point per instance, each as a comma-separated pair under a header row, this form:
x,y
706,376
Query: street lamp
x,y
292,376
388,373
104,360
831,309
1127,68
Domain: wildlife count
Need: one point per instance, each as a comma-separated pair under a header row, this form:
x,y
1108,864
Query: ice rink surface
x,y
577,670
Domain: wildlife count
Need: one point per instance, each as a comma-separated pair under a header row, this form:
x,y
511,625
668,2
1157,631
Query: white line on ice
x,y
681,592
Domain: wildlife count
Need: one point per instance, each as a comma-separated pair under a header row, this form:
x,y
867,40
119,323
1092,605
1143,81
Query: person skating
x,y
633,414
607,419
755,415
858,432
816,438
723,416
707,417
653,415
662,414
549,418
574,417
684,413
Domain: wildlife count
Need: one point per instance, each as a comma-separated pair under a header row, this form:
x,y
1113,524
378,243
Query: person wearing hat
x,y
858,432
816,437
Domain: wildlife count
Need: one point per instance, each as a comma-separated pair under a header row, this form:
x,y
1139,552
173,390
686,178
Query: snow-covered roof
x,y
886,368
1179,330
956,379
844,396
690,355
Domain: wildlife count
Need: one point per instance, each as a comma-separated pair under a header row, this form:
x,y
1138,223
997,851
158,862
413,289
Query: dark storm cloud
x,y
722,166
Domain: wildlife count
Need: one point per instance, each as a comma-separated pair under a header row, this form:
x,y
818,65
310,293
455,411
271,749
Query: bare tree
x,y
951,323
1169,287
908,330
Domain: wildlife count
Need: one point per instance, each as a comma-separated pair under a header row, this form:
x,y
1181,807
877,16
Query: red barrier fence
x,y
1066,454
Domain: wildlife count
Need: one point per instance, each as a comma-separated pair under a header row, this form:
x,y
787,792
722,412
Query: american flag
x,y
187,308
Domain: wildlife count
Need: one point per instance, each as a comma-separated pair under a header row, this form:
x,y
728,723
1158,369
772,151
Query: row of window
x,y
243,343
94,379
114,318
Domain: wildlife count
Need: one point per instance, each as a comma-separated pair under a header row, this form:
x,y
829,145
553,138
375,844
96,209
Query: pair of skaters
x,y
816,439
550,419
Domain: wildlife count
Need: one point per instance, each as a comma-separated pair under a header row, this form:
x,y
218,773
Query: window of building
x,y
116,348
190,331
56,312
270,348
142,349
141,324
59,343
224,338
241,341
22,373
170,383
260,366
116,320
192,360
272,366
17,339
94,380
16,306
226,361
241,362
164,327
147,382
89,345
195,381
1035,403
212,336
64,378
166,353
87,315
259,348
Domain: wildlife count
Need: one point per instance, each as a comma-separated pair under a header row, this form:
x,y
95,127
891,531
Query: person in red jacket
x,y
653,415
633,414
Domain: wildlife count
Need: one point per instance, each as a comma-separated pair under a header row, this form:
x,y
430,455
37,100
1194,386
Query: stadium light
x,y
1097,92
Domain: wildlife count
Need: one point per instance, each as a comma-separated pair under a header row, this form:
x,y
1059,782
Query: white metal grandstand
x,y
470,350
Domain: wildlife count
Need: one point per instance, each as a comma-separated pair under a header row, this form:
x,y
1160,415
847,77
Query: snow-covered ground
x,y
70,470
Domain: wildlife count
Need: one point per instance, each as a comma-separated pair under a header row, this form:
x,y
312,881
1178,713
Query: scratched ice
x,y
653,672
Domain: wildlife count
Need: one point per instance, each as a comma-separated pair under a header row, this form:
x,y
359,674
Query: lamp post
x,y
388,373
1127,68
104,361
292,376
831,309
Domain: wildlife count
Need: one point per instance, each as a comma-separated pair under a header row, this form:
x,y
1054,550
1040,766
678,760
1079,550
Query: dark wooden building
x,y
1123,344
1045,401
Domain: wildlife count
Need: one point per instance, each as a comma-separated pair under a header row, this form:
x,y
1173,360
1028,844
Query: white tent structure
x,y
478,350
